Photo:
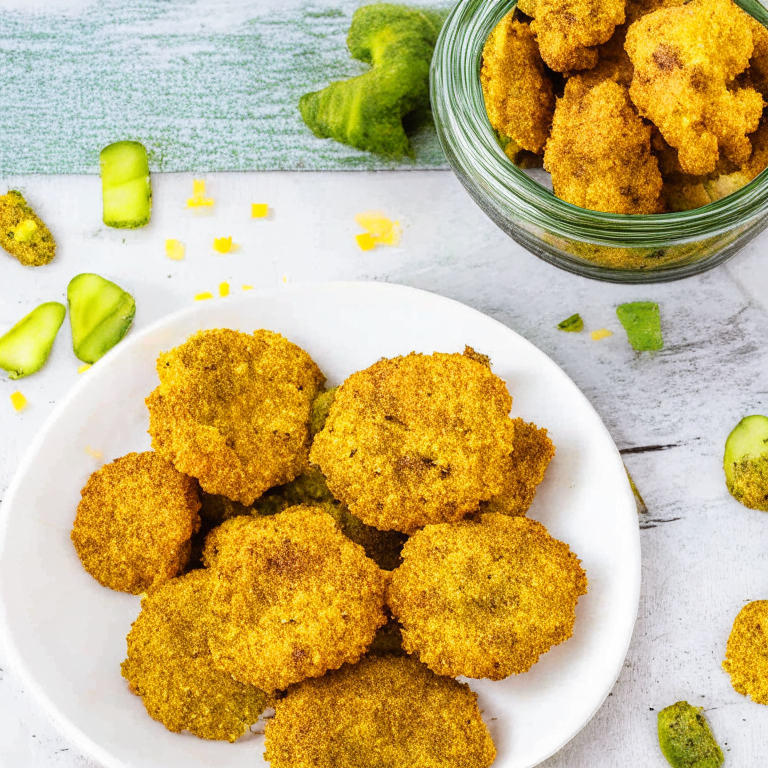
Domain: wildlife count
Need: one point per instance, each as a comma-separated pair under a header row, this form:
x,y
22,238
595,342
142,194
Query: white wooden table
x,y
704,555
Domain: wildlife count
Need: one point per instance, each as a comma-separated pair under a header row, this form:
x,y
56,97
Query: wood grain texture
x,y
205,86
704,555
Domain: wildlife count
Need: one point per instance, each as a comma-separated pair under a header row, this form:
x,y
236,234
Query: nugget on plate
x,y
292,597
135,521
569,31
533,450
416,440
387,712
685,62
170,667
486,597
233,410
599,153
519,98
746,656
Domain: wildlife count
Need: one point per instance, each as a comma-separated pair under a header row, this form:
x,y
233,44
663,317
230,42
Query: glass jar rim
x,y
473,150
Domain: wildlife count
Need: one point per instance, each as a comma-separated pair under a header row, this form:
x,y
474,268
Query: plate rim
x,y
61,721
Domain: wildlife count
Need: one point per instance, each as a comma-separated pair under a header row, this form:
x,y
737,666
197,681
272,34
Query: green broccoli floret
x,y
642,322
685,738
572,324
22,233
746,462
367,112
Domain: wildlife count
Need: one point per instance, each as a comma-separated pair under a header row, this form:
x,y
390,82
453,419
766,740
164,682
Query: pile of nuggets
x,y
340,555
633,106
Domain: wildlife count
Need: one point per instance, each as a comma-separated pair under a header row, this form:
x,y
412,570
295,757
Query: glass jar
x,y
604,246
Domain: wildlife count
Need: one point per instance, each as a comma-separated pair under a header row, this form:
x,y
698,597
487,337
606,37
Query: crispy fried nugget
x,y
23,233
599,153
758,64
293,598
233,410
135,521
726,183
746,656
685,59
533,451
519,97
485,598
386,712
170,667
417,440
568,31
636,9
613,63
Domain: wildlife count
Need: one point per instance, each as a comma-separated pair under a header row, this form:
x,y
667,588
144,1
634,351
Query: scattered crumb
x,y
285,278
365,241
18,401
203,296
259,210
383,231
573,324
198,199
247,287
603,333
223,289
83,368
94,453
222,244
174,249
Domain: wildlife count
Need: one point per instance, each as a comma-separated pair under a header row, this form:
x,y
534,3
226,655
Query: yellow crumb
x,y
223,289
285,278
222,244
247,287
83,368
603,333
259,210
365,241
94,453
198,199
203,296
19,401
383,230
174,249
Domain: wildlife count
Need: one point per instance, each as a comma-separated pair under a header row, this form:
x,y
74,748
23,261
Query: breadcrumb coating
x,y
170,667
746,655
485,598
636,9
685,62
758,64
599,153
233,410
519,97
533,450
387,712
568,31
320,408
135,521
417,440
23,233
724,184
613,63
293,598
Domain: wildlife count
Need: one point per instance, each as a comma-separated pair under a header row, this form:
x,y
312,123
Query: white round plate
x,y
66,634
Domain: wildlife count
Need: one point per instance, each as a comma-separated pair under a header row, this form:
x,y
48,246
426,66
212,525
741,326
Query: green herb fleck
x,y
574,324
685,738
642,322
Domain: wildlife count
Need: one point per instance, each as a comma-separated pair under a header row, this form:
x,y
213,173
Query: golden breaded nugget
x,y
685,61
569,31
416,440
746,656
486,597
135,521
758,64
23,233
170,667
533,451
599,153
613,63
293,597
387,712
233,410
519,97
636,9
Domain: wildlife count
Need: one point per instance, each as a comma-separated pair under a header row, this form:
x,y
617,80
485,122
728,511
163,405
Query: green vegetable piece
x,y
746,462
125,186
22,233
25,348
100,314
573,324
642,322
367,111
685,738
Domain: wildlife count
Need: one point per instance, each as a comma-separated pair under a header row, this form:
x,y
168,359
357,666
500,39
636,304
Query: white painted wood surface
x,y
704,555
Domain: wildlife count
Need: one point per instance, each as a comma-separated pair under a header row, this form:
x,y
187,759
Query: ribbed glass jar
x,y
604,246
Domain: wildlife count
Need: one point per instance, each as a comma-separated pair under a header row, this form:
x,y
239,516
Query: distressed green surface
x,y
205,86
